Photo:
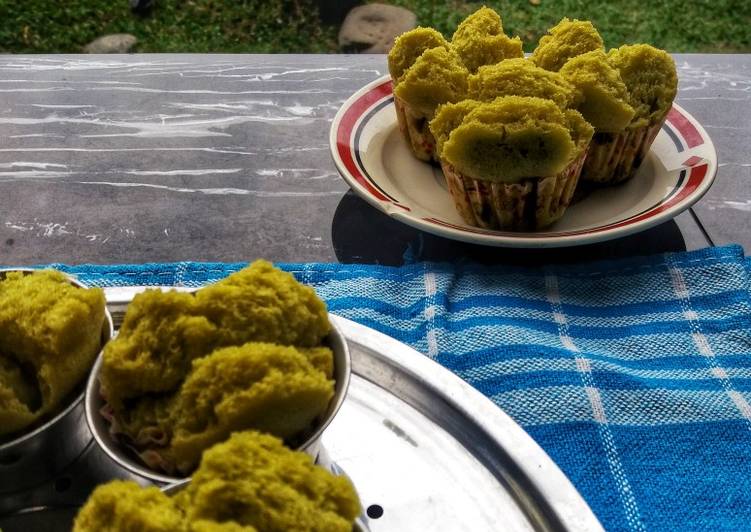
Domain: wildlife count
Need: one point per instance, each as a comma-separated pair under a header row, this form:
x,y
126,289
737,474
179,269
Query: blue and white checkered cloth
x,y
634,376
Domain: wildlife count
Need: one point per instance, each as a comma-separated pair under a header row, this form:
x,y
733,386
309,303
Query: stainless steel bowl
x,y
360,524
39,454
124,457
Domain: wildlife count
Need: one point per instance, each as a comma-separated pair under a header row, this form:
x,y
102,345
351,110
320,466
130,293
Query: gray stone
x,y
372,28
117,43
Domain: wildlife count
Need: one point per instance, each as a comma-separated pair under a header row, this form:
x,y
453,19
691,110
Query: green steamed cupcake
x,y
479,40
565,40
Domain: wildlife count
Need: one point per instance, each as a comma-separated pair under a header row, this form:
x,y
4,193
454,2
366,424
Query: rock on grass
x,y
372,28
118,43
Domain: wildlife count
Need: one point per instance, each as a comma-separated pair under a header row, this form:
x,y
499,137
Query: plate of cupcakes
x,y
472,140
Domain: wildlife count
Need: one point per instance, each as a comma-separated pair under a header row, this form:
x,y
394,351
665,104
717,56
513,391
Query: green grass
x,y
43,26
674,25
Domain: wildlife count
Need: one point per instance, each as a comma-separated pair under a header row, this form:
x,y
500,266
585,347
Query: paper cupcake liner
x,y
151,444
615,157
414,128
530,204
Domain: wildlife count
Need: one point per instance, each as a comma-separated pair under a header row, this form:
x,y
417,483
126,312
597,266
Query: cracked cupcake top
x,y
605,99
187,369
479,40
520,77
510,138
437,76
651,80
565,40
250,482
409,46
50,334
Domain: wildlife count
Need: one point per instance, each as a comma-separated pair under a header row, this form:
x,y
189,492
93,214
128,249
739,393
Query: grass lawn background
x,y
47,26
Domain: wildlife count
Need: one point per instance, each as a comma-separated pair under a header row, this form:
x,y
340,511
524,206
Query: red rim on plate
x,y
686,148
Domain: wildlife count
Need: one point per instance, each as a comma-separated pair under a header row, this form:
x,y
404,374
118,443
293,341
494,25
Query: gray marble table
x,y
138,158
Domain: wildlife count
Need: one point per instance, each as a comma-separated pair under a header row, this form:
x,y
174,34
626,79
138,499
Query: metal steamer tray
x,y
425,451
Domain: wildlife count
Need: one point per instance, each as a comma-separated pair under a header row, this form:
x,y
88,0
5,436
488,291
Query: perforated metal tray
x,y
424,449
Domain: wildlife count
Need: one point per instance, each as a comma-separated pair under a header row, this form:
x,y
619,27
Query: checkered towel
x,y
634,376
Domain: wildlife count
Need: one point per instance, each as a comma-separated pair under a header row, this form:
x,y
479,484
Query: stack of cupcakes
x,y
514,135
428,71
435,77
625,94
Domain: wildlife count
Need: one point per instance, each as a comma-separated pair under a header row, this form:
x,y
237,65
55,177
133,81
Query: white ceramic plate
x,y
373,158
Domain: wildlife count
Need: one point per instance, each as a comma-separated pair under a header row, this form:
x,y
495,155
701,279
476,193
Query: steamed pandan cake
x,y
409,46
407,49
475,89
50,334
512,163
651,80
627,96
604,99
565,40
448,118
437,76
428,71
479,40
250,483
520,77
605,105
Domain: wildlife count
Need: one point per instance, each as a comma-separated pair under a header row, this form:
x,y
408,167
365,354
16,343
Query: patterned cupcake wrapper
x,y
530,204
615,157
416,131
151,444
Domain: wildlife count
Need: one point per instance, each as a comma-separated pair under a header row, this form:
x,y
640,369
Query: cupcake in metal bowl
x,y
255,351
51,329
252,481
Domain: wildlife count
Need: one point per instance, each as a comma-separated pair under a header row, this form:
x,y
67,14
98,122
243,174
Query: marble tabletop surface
x,y
141,158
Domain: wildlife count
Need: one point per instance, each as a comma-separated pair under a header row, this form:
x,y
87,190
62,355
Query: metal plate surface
x,y
425,451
